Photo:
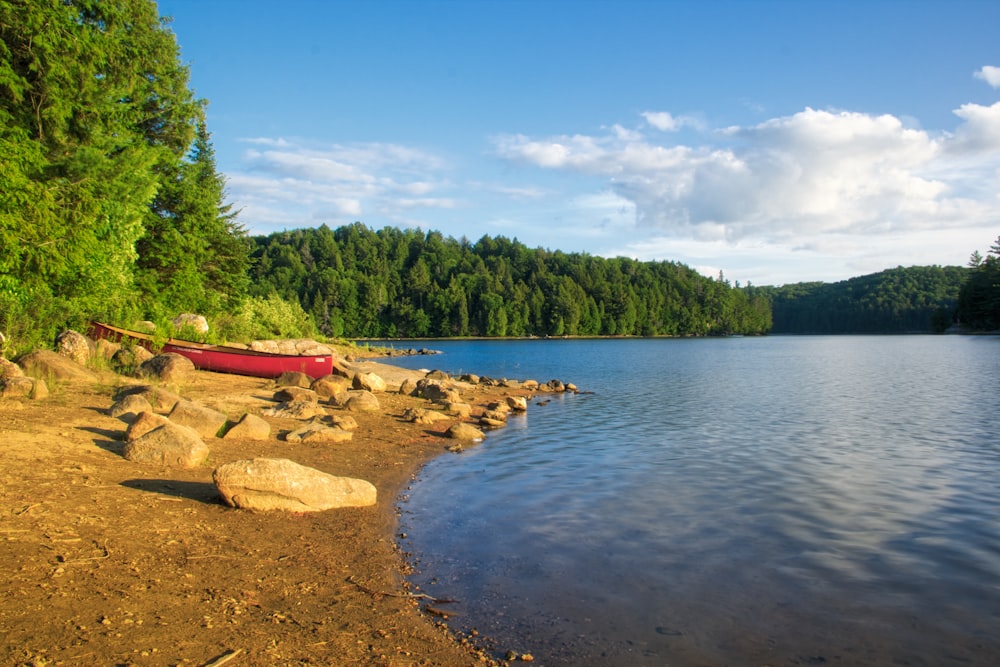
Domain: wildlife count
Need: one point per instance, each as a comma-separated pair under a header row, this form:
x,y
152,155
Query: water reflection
x,y
774,501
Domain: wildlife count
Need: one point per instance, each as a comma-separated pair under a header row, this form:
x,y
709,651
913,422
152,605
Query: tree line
x,y
358,282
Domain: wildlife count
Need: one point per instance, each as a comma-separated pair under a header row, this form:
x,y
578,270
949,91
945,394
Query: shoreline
x,y
112,562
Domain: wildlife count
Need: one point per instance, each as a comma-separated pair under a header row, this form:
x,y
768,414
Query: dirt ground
x,y
108,562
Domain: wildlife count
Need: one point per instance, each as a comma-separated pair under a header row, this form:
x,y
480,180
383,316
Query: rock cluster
x,y
161,428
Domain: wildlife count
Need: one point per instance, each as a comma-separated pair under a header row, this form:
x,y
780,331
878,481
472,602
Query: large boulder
x,y
168,445
74,345
169,367
517,403
368,382
329,386
437,390
48,364
201,419
362,401
423,416
280,484
465,432
295,393
160,398
249,427
128,358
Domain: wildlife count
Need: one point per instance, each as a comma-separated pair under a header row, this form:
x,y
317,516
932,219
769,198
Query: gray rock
x,y
249,427
203,420
168,445
192,321
280,484
75,346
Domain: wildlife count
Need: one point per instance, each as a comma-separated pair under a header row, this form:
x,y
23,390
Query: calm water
x,y
749,501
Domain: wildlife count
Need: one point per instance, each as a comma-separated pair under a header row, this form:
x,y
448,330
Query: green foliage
x,y
265,317
358,282
979,299
918,299
103,147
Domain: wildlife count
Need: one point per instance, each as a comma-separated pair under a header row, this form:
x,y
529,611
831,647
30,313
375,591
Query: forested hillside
x,y
979,299
916,299
359,282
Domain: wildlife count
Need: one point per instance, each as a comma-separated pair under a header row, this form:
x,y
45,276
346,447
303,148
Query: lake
x,y
732,501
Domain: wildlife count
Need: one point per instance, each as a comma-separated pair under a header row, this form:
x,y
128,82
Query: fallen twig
x,y
224,658
412,596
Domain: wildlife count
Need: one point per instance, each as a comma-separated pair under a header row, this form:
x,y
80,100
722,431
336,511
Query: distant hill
x,y
917,299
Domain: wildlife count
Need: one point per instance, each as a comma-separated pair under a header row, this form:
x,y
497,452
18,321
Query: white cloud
x,y
666,121
816,172
291,183
990,75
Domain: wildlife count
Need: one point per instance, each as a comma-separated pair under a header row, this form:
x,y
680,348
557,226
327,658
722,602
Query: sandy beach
x,y
109,562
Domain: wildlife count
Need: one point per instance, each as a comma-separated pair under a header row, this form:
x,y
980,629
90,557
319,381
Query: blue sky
x,y
776,141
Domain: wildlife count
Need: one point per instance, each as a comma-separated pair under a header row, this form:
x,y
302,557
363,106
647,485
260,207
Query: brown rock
x,y
74,345
362,401
423,416
517,403
205,421
249,427
9,369
293,379
127,359
295,410
465,432
329,386
169,367
319,433
368,382
48,364
295,393
160,398
17,387
143,423
168,445
128,407
346,422
280,484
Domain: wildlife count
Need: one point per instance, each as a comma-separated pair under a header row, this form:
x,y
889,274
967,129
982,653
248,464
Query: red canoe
x,y
222,358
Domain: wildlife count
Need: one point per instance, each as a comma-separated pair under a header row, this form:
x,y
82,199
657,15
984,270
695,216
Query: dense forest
x,y
917,299
112,207
358,282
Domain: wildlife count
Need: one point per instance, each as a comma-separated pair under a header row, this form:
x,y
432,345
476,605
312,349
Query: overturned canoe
x,y
222,358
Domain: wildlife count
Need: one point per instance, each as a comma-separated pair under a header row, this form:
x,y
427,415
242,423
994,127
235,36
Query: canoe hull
x,y
222,359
